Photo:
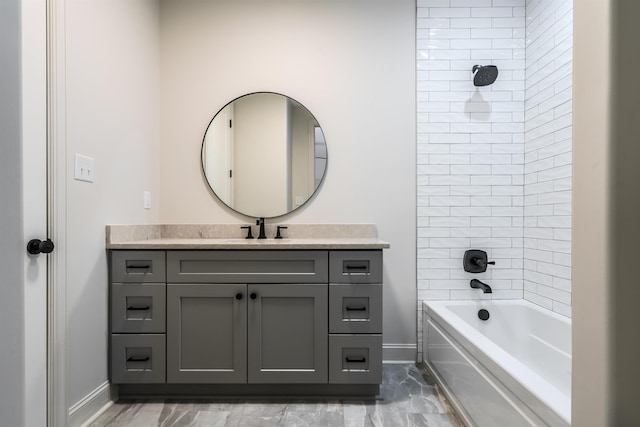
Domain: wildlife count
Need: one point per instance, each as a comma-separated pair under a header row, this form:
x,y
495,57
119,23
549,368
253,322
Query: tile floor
x,y
408,397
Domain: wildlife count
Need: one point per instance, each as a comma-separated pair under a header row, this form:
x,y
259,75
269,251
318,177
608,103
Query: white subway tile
x,y
492,12
433,253
563,309
442,284
562,209
471,149
539,300
562,284
471,211
555,294
493,33
471,44
450,12
470,3
503,221
434,232
562,234
432,190
427,23
471,169
471,190
449,221
444,33
470,232
449,200
507,211
458,180
433,295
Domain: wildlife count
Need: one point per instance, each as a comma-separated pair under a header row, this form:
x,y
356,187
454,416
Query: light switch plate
x,y
147,199
84,168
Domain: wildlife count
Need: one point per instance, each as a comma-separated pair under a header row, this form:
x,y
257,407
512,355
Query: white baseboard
x,y
399,353
91,406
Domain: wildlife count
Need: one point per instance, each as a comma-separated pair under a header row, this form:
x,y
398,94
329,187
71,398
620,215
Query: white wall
x,y
112,99
470,147
352,65
548,155
606,211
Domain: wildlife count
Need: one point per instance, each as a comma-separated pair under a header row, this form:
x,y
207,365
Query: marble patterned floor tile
x,y
408,398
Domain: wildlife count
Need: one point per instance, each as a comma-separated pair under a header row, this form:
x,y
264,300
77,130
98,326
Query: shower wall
x,y
494,162
548,154
470,146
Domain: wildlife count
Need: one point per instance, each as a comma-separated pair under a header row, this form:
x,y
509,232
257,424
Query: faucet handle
x,y
280,227
476,261
249,235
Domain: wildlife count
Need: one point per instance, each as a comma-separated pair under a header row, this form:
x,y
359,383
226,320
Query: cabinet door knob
x,y
253,295
238,296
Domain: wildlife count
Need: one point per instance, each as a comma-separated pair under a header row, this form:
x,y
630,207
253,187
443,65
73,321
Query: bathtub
x,y
513,369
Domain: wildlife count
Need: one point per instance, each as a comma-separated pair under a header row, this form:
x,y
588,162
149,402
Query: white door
x,y
34,197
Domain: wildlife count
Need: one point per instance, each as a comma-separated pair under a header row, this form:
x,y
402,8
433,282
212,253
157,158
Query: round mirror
x,y
264,154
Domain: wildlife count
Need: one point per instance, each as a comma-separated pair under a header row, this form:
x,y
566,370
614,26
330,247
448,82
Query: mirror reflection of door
x,y
319,155
260,154
264,155
218,155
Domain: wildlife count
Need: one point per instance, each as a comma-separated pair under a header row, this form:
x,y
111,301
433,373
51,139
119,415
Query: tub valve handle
x,y
476,261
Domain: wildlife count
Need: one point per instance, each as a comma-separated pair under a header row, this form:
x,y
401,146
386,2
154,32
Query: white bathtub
x,y
512,370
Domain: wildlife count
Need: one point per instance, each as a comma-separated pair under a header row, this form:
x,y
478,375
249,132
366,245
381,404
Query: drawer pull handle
x,y
138,359
355,360
139,308
356,308
140,267
356,267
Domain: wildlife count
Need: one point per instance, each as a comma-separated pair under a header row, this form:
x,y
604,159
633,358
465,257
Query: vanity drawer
x,y
355,359
247,266
137,266
355,309
138,307
355,266
138,358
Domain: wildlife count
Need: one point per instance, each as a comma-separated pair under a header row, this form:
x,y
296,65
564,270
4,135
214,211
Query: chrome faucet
x,y
262,234
477,284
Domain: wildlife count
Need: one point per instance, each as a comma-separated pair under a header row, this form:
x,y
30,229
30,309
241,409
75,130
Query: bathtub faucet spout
x,y
477,284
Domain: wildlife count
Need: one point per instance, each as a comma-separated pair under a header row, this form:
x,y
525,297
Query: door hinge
x,y
230,122
230,173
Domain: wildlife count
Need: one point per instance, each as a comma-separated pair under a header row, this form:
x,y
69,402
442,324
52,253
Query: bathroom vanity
x,y
193,315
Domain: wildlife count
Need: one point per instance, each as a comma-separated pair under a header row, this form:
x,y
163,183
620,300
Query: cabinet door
x,y
287,327
206,333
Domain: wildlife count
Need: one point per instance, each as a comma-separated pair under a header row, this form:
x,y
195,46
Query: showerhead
x,y
484,75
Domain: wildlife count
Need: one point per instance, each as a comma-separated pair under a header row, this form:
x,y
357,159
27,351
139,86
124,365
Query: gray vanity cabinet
x,y
137,317
287,333
254,321
206,333
247,316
